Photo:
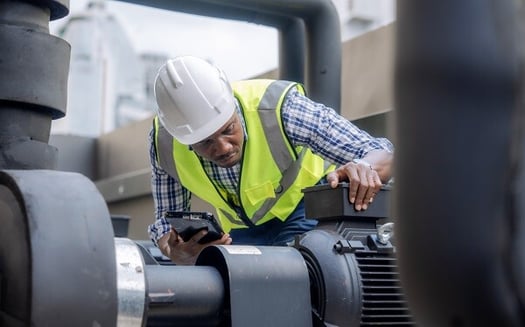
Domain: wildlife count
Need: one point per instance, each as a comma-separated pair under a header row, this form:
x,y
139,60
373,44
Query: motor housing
x,y
351,261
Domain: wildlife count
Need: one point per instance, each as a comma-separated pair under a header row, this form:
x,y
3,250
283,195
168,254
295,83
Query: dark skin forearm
x,y
364,182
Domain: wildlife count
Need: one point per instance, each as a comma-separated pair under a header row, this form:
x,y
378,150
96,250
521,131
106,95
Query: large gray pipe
x,y
318,43
458,180
33,82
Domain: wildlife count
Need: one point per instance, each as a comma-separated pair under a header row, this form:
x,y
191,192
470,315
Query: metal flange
x,y
35,69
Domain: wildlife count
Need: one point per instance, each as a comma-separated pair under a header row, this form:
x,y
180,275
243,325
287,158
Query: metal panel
x,y
126,186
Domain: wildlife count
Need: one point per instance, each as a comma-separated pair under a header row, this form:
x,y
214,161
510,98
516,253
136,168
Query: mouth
x,y
226,160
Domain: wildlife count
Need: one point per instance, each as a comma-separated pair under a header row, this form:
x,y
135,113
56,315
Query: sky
x,y
241,49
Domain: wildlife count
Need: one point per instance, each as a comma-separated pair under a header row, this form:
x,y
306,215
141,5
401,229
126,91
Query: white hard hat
x,y
194,98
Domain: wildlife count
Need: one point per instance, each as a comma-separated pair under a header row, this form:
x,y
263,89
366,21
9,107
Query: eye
x,y
230,128
204,143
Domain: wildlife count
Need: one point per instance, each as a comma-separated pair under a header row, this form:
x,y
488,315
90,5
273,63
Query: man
x,y
249,148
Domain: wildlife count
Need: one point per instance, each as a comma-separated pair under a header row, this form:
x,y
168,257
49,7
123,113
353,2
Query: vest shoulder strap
x,y
165,150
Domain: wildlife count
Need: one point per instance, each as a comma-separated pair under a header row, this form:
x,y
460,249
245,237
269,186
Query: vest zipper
x,y
243,215
220,194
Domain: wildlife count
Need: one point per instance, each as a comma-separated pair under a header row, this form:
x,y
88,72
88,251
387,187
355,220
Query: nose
x,y
222,146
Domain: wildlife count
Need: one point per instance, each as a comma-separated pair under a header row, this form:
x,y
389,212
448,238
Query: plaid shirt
x,y
306,123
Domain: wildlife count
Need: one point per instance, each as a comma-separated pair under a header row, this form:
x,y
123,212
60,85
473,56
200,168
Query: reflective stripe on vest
x,y
164,142
281,170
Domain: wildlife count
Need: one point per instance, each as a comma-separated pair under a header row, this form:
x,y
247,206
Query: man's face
x,y
224,147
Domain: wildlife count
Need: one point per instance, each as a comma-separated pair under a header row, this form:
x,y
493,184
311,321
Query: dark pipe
x,y
291,30
184,296
323,36
292,42
458,71
33,82
57,254
323,46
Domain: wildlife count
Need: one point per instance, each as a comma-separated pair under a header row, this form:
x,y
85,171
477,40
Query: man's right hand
x,y
185,253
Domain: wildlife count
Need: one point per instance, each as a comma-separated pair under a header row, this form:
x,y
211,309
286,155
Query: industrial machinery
x,y
64,267
341,274
61,265
460,248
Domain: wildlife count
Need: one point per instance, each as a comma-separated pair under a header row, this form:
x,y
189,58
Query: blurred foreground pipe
x,y
458,75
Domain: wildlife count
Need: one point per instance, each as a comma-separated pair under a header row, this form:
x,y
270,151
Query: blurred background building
x,y
109,81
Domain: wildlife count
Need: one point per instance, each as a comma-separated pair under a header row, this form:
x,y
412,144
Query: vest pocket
x,y
259,193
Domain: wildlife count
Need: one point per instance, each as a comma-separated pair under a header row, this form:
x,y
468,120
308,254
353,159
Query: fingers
x,y
197,237
367,187
173,238
173,246
333,178
356,177
364,183
165,243
224,240
186,252
189,250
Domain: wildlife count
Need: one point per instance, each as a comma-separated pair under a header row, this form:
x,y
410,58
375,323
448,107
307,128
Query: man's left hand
x,y
364,183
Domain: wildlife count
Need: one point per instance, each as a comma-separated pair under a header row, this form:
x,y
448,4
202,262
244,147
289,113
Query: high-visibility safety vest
x,y
273,172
